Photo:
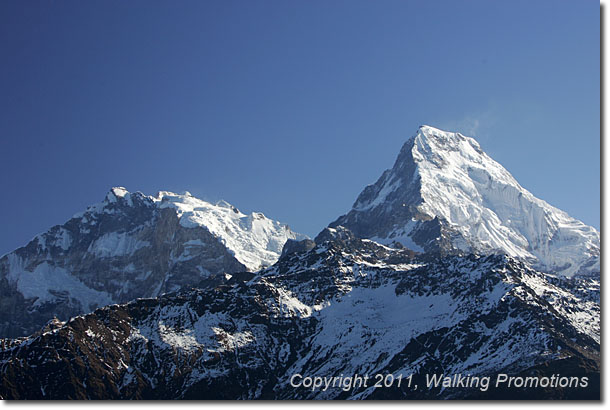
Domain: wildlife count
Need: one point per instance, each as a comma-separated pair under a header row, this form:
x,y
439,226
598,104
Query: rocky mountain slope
x,y
446,266
130,246
445,194
347,306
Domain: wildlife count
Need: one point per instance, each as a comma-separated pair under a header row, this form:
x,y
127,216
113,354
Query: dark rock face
x,y
292,246
347,306
369,219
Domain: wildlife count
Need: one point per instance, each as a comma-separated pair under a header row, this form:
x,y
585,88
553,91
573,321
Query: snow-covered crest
x,y
254,239
480,206
132,245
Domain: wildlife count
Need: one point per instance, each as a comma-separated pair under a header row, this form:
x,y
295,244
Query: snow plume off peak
x,y
445,194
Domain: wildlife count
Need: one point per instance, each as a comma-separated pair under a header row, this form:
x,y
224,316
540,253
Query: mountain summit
x,y
463,300
445,194
130,246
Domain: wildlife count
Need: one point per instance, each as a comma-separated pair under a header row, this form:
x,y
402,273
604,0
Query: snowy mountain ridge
x,y
254,240
444,191
445,265
128,246
347,306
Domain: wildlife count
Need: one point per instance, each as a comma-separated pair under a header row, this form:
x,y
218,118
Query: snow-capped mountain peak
x,y
131,245
445,192
118,192
254,239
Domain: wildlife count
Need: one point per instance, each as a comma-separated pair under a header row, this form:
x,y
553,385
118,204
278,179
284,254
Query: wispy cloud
x,y
473,125
468,126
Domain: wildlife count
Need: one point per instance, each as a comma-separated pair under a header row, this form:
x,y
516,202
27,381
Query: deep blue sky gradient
x,y
286,107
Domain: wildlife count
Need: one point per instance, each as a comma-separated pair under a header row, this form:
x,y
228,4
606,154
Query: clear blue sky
x,y
286,107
